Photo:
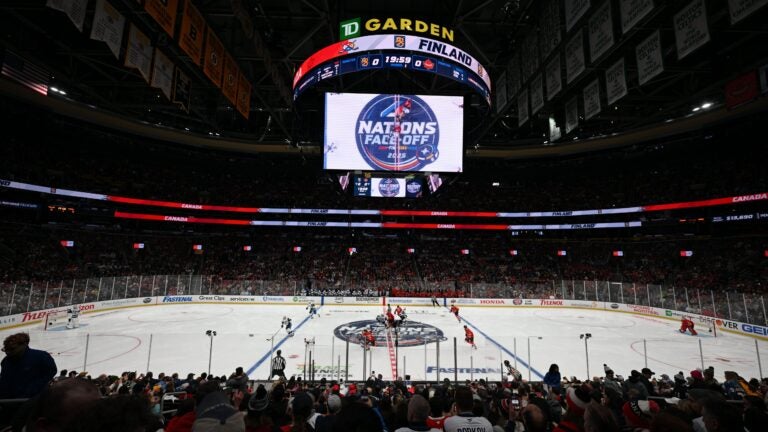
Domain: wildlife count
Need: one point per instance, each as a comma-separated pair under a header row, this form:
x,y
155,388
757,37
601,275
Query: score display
x,y
387,187
390,132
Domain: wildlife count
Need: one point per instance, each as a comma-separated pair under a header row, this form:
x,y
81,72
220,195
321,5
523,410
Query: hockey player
x,y
469,337
390,319
511,371
312,310
73,321
398,310
288,325
434,301
687,324
369,339
455,312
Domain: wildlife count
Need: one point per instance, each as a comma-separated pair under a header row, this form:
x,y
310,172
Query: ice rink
x,y
171,338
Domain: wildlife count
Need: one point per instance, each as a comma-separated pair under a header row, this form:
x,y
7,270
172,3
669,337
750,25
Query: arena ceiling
x,y
286,32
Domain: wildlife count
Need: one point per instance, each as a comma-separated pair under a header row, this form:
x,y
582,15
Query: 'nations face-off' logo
x,y
397,133
409,333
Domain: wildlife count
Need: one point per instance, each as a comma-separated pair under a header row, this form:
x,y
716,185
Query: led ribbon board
x,y
392,51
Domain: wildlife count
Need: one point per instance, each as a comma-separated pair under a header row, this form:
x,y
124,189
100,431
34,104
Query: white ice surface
x,y
120,341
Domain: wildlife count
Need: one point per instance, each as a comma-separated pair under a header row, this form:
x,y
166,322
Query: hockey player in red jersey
x,y
686,324
369,338
390,319
469,337
455,312
398,310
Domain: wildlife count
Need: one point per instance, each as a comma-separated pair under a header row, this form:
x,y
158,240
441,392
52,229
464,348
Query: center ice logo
x,y
397,133
409,333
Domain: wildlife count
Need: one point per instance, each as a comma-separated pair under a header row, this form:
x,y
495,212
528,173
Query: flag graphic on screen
x,y
197,247
562,252
25,73
618,253
67,243
465,251
297,248
138,245
247,248
513,252
686,253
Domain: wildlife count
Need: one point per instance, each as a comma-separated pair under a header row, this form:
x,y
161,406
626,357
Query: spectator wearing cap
x,y
215,413
25,371
257,419
552,378
646,375
464,418
324,423
303,414
720,416
418,412
634,388
577,399
610,381
640,413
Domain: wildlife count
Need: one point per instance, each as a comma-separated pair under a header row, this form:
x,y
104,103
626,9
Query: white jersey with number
x,y
467,422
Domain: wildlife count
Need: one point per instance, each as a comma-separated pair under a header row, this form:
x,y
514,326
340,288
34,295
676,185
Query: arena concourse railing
x,y
33,296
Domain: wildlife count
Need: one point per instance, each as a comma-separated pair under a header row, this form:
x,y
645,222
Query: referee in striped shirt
x,y
278,365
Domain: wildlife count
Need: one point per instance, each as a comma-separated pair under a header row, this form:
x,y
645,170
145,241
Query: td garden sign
x,y
354,27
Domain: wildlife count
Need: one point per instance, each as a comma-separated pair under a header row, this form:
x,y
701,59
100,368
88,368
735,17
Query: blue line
x,y
266,356
510,353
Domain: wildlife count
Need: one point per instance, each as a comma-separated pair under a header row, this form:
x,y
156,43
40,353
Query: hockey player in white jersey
x,y
73,321
312,310
288,325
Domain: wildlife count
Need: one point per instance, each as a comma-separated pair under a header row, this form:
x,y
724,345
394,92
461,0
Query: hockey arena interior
x,y
498,215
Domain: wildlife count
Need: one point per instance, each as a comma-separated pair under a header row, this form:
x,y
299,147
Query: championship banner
x,y
554,77
741,90
513,71
741,9
571,114
380,42
551,34
537,94
138,52
574,10
531,54
574,57
649,61
162,73
75,10
592,99
600,31
632,11
182,89
108,25
522,107
214,55
691,29
615,82
164,12
244,96
231,74
501,93
192,29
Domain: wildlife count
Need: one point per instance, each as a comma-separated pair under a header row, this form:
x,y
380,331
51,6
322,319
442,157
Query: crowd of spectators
x,y
700,400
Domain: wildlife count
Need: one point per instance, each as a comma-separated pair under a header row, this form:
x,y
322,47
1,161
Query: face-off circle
x,y
409,333
397,133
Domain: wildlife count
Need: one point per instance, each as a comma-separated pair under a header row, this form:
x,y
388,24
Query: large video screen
x,y
390,132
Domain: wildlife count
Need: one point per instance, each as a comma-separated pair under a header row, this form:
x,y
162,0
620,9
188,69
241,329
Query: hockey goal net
x,y
55,319
705,325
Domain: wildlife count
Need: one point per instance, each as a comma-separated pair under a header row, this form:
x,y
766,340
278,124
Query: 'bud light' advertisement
x,y
390,132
